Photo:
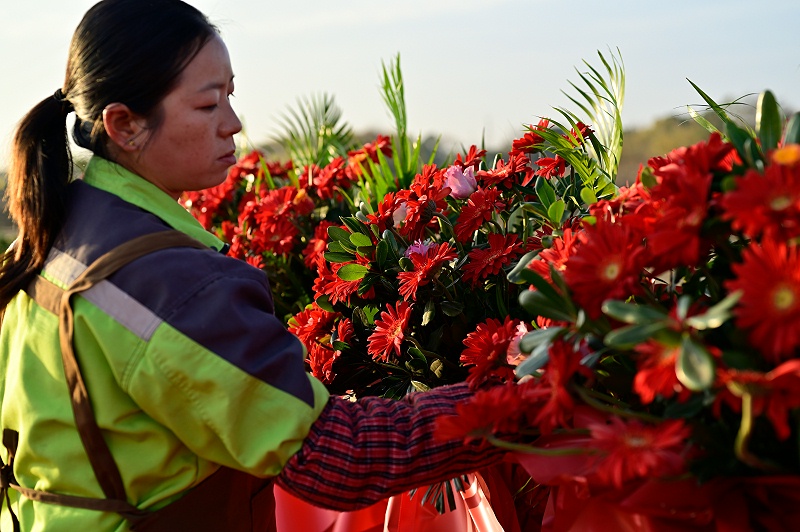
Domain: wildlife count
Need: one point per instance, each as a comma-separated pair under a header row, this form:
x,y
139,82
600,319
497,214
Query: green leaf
x,y
429,314
352,272
337,233
716,315
695,366
360,240
631,335
705,124
792,135
538,337
336,247
382,253
632,313
768,121
515,275
543,287
556,211
739,137
588,196
420,387
536,303
324,302
536,360
545,192
355,226
452,308
338,257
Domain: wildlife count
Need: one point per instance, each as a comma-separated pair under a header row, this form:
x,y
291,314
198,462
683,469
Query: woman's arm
x,y
358,453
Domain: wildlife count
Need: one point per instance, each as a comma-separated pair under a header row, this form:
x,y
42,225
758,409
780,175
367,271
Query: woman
x,y
137,361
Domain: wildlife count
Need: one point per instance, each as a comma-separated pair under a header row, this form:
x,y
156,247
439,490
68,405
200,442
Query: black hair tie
x,y
62,99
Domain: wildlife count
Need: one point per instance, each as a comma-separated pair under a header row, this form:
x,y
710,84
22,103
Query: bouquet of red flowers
x,y
661,384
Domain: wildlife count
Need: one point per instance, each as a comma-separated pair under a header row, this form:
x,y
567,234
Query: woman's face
x,y
192,147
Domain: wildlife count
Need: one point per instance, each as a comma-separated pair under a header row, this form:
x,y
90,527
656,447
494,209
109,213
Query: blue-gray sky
x,y
471,67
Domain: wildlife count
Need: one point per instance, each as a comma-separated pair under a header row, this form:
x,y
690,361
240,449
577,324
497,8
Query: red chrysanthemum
x,y
486,351
480,207
426,266
767,203
769,308
607,264
482,263
632,450
389,331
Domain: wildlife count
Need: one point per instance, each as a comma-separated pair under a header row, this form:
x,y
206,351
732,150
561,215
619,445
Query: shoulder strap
x,y
100,458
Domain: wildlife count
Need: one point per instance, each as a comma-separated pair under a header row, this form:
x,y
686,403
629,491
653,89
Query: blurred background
x,y
475,71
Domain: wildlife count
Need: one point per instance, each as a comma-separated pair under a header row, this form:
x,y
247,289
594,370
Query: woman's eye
x,y
209,107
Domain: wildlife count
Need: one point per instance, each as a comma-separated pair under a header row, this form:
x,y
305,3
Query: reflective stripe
x,y
118,305
62,270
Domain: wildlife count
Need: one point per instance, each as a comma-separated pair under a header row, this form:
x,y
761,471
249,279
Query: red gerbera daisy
x,y
506,175
471,160
767,203
420,202
328,283
656,375
389,331
314,252
550,167
426,266
557,410
769,308
632,450
486,350
556,255
496,410
482,263
606,265
480,207
356,159
529,141
775,394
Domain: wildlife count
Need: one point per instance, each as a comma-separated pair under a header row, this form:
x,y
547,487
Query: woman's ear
x,y
125,129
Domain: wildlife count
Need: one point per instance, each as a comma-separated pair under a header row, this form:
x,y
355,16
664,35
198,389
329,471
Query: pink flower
x,y
462,183
419,247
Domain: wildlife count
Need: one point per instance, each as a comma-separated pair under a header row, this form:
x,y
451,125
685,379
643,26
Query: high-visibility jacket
x,y
186,366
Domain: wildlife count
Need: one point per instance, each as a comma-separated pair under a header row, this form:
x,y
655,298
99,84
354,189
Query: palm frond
x,y
600,97
313,132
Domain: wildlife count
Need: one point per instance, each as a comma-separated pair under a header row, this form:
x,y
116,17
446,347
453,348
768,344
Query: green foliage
x,y
601,98
314,132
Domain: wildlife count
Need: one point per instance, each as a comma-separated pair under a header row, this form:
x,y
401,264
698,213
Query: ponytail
x,y
40,170
126,51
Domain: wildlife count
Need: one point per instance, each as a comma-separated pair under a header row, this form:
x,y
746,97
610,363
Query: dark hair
x,y
127,51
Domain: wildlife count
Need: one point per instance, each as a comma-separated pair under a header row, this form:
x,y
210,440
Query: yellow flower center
x,y
783,298
611,271
780,203
787,155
